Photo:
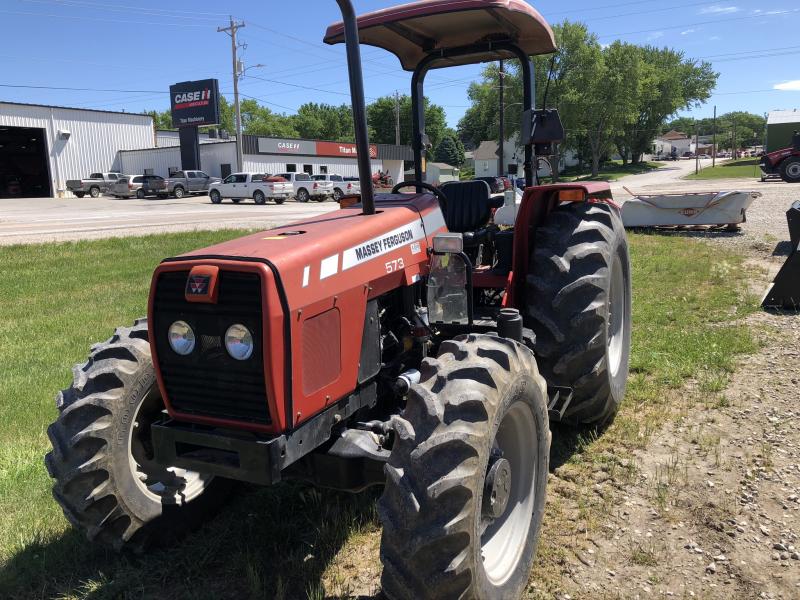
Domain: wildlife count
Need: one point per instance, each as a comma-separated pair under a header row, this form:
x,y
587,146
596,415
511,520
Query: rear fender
x,y
537,203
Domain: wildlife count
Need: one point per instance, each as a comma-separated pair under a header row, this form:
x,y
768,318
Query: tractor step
x,y
559,399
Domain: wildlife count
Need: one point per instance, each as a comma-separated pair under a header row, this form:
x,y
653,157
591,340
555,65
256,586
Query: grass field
x,y
610,171
744,168
292,541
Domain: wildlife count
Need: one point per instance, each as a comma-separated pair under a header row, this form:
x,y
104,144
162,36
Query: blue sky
x,y
140,48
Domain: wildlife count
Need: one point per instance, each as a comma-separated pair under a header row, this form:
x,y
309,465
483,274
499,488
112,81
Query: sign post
x,y
194,104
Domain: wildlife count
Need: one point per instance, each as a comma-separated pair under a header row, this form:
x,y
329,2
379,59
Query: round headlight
x,y
239,342
181,338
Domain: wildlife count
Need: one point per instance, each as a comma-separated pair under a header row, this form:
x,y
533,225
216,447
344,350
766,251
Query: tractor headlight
x,y
239,342
181,338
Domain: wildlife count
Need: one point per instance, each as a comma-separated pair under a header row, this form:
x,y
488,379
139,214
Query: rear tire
x,y
478,416
105,479
94,192
259,197
80,194
579,305
790,170
140,194
302,195
179,192
215,196
279,201
337,195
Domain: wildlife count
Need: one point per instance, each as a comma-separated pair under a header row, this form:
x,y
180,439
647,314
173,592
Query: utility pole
x,y
502,160
696,149
232,30
397,118
714,153
733,143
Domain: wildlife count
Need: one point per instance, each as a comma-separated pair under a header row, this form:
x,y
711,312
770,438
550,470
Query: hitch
x,y
559,399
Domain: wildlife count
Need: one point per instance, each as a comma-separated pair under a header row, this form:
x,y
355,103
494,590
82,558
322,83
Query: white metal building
x,y
41,147
267,155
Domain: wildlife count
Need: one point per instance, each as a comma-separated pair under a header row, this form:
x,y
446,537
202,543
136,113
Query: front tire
x,y
279,201
106,480
465,487
140,194
79,194
215,196
790,170
579,306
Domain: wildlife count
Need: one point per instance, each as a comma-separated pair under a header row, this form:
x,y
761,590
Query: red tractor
x,y
783,163
406,342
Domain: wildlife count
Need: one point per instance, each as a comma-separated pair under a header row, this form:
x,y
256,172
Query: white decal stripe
x,y
306,275
379,246
329,267
434,221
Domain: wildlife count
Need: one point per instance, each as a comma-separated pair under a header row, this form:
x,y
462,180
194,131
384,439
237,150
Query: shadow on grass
x,y
268,543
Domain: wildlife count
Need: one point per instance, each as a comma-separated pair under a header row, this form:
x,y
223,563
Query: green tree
x,y
448,152
381,119
324,122
161,119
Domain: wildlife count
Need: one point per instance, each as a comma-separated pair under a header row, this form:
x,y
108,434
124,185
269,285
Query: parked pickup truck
x,y
258,186
189,182
306,188
339,184
94,185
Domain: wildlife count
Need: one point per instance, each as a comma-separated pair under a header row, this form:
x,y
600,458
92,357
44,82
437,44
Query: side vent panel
x,y
322,350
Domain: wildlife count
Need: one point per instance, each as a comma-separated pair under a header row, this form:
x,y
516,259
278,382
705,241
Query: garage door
x,y
24,168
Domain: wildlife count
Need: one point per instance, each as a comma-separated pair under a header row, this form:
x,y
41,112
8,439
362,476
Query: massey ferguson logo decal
x,y
192,99
398,238
198,285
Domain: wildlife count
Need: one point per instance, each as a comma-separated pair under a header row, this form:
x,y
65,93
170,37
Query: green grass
x,y
287,541
743,168
611,171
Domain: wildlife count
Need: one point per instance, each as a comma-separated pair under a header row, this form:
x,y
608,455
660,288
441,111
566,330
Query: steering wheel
x,y
426,186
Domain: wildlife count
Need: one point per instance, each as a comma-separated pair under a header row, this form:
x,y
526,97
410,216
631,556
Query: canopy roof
x,y
413,31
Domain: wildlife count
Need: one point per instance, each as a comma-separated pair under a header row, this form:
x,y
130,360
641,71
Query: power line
x,y
714,22
86,4
95,19
80,89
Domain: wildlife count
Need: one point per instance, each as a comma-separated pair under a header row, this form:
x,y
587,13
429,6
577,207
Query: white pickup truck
x,y
258,186
305,188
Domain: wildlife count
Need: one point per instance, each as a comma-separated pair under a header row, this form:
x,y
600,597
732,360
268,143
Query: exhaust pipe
x,y
359,106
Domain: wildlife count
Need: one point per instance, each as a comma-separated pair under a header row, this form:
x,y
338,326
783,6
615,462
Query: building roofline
x,y
97,110
159,148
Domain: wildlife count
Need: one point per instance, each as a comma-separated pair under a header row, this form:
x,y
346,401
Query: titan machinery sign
x,y
310,148
195,103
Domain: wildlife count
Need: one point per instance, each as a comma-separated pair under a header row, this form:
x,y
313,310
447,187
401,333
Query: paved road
x,y
30,220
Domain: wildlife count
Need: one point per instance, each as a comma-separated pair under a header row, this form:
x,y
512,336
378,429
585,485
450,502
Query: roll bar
x,y
359,105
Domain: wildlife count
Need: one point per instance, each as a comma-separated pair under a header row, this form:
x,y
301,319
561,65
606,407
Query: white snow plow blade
x,y
687,210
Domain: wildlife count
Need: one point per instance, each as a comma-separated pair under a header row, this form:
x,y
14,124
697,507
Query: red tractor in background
x,y
406,342
784,163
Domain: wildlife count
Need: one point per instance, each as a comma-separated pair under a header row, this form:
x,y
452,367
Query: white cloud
x,y
716,9
714,38
789,86
688,31
655,36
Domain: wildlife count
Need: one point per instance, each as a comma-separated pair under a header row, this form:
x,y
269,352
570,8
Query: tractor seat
x,y
469,208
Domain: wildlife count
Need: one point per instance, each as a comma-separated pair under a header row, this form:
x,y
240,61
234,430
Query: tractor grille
x,y
209,382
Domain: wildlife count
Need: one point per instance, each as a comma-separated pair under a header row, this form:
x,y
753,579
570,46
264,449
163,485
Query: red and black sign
x,y
195,103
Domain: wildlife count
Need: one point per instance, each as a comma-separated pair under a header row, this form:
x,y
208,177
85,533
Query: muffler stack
x,y
785,290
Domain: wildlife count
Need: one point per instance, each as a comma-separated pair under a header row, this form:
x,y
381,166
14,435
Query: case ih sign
x,y
310,148
195,103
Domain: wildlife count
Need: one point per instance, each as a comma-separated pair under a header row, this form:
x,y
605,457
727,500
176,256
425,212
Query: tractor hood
x,y
332,253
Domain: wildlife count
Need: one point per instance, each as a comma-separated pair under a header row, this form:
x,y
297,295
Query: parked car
x,y
339,184
189,182
305,188
258,186
687,155
704,157
496,184
94,185
352,186
140,186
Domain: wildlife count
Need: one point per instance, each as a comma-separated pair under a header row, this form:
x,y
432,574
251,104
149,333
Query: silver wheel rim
x,y
503,539
178,193
170,485
616,316
794,171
